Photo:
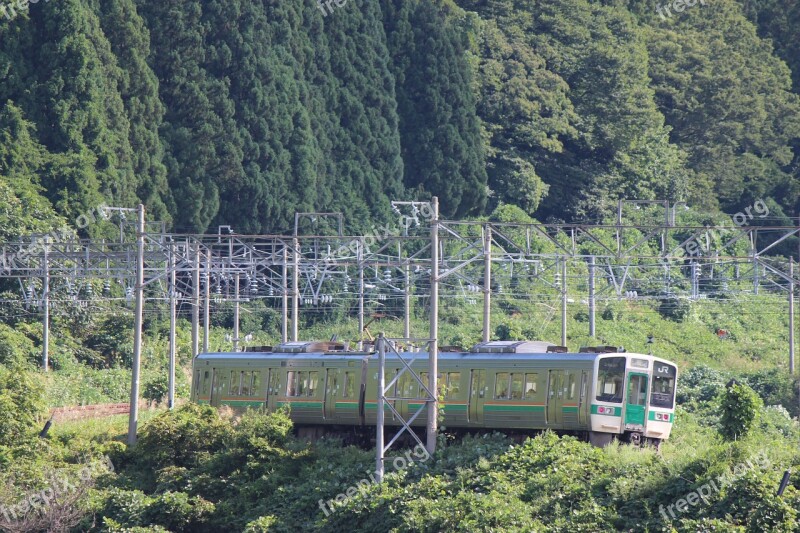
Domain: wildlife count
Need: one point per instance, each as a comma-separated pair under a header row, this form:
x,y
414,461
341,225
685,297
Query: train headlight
x,y
605,410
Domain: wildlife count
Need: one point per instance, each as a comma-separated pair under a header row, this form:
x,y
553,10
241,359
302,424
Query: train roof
x,y
443,356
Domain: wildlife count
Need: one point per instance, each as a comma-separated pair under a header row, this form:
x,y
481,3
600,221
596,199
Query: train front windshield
x,y
610,379
663,394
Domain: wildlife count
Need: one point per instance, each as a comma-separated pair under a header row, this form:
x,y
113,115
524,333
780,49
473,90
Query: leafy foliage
x,y
740,406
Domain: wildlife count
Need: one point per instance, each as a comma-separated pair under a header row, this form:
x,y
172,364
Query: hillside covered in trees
x,y
243,112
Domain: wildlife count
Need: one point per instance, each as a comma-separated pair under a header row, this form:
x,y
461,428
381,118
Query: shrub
x,y
177,511
740,408
258,424
776,387
508,332
156,389
181,437
677,309
262,525
21,404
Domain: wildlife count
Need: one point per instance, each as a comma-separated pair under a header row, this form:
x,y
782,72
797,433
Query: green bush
x,y
178,512
740,408
261,525
156,388
677,309
183,437
259,424
776,387
21,405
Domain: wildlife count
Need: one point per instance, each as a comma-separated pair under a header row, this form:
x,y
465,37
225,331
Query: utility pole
x,y
791,316
133,418
433,353
196,302
236,313
487,282
379,422
564,301
207,303
407,302
360,260
592,302
172,320
285,297
46,309
296,289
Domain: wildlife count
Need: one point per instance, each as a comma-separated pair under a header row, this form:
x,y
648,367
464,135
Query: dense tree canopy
x,y
242,113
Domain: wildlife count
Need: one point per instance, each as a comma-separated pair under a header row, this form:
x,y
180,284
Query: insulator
x,y
107,287
29,293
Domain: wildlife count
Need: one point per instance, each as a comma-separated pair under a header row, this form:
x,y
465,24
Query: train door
x,y
477,395
582,404
196,385
636,399
219,381
331,391
273,390
555,398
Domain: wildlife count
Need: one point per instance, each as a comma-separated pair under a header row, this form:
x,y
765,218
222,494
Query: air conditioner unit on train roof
x,y
511,347
310,347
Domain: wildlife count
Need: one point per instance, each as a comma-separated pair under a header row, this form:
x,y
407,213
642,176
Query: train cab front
x,y
661,407
634,399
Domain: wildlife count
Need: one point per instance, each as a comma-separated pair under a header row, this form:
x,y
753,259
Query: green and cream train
x,y
516,387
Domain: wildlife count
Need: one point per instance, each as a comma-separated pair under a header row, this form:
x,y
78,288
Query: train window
x,y
247,379
274,382
663,393
516,386
423,377
530,385
453,385
610,379
313,381
501,386
571,387
291,383
206,381
256,383
406,385
235,375
637,390
349,385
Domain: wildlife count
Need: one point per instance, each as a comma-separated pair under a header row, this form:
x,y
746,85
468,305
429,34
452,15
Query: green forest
x,y
238,113
242,113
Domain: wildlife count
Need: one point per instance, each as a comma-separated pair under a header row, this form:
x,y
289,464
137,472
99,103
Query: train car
x,y
511,386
